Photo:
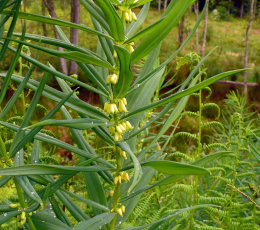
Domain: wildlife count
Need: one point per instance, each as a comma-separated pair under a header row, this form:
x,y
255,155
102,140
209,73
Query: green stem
x,y
3,149
117,188
196,180
234,180
23,204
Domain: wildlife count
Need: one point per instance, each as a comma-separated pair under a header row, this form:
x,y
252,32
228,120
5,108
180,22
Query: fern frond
x,y
246,163
181,155
187,135
211,106
214,200
218,212
211,124
15,119
190,114
214,145
48,132
48,159
208,90
182,187
246,174
216,169
228,181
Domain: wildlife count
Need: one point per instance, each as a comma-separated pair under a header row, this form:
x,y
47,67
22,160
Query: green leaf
x,y
82,124
135,25
54,21
126,74
139,3
95,222
174,178
11,28
170,167
87,201
44,221
83,57
113,19
4,180
137,167
8,216
48,139
11,67
37,169
57,73
184,92
161,30
22,140
28,189
28,115
96,13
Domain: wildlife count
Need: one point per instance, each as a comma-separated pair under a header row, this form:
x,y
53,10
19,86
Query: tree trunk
x,y
247,45
196,9
49,4
205,30
181,30
159,5
44,27
229,7
165,4
74,33
242,9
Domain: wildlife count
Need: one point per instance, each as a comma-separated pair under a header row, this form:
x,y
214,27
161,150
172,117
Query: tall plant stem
x,y
117,188
199,149
234,179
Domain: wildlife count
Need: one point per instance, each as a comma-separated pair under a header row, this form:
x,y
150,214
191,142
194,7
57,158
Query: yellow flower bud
x,y
128,125
118,136
106,106
115,53
114,79
127,18
13,205
134,16
123,154
111,193
23,218
122,107
130,16
119,211
122,128
30,213
124,101
116,180
119,179
108,79
125,176
123,208
118,129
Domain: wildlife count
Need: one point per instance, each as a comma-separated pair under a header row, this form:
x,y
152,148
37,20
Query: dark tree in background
x,y
75,18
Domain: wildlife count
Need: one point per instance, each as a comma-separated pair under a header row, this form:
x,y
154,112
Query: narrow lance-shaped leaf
x,y
135,25
82,124
96,222
29,113
126,74
11,28
28,137
97,13
71,55
184,92
57,73
53,21
35,169
12,66
8,216
161,30
113,19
